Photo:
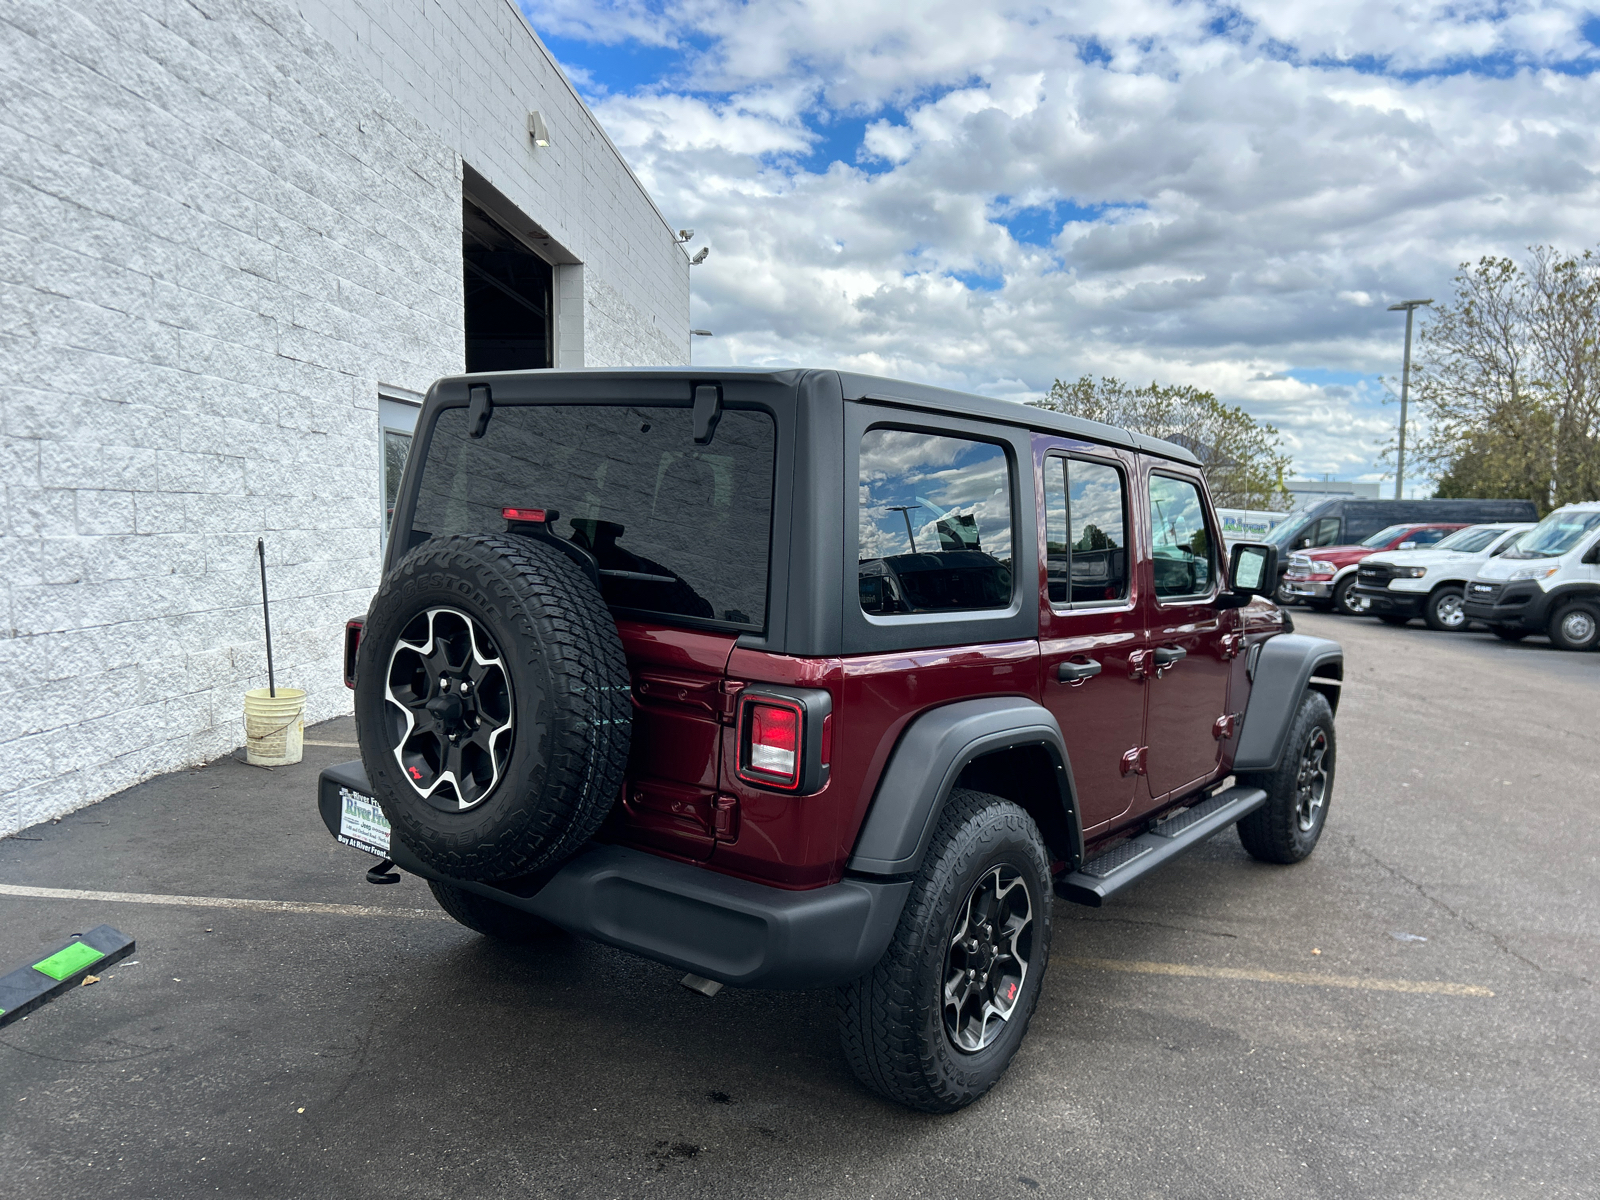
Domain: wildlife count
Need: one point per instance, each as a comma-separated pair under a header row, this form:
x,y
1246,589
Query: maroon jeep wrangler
x,y
798,678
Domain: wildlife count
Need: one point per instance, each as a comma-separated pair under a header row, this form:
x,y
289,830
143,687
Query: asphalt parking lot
x,y
1410,1013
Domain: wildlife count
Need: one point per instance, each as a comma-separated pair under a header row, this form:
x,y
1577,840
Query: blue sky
x,y
992,196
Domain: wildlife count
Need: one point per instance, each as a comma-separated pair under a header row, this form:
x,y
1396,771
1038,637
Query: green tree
x,y
1243,458
1507,378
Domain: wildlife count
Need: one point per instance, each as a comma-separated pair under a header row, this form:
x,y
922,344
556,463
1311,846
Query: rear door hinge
x,y
1133,761
726,818
1222,727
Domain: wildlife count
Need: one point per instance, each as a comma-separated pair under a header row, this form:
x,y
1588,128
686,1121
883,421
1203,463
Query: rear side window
x,y
1181,547
935,523
679,530
1085,532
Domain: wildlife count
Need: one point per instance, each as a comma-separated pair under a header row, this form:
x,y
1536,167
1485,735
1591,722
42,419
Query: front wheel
x,y
1444,612
937,1021
1576,626
1285,829
1345,600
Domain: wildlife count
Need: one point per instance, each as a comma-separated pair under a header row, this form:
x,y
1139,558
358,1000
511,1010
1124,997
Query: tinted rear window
x,y
679,530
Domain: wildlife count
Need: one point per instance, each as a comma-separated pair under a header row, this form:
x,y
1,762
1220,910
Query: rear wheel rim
x,y
1311,782
986,961
1578,626
1449,611
451,709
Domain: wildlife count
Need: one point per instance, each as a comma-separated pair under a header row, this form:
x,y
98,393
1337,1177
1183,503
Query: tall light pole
x,y
1410,307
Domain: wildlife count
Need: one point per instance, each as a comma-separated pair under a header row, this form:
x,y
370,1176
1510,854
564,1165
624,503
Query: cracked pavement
x,y
327,1055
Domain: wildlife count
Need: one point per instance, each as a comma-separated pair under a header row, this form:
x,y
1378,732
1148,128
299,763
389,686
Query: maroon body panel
x,y
670,799
1101,718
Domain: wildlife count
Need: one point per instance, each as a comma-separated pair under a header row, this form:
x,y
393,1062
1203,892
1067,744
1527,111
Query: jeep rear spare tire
x,y
492,705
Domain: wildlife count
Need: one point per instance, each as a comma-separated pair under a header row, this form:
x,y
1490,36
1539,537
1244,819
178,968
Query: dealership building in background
x,y
237,243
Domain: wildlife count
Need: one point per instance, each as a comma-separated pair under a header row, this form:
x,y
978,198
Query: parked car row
x,y
1517,577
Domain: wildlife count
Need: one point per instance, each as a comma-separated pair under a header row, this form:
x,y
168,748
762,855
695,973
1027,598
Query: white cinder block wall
x,y
217,242
471,70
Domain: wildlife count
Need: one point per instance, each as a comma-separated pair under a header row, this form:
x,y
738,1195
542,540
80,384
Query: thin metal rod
x,y
266,619
1405,396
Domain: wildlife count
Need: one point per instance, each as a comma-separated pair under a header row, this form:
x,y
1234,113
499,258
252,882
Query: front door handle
x,y
1075,672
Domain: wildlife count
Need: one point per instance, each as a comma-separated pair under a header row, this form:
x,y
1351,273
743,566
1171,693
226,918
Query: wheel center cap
x,y
446,708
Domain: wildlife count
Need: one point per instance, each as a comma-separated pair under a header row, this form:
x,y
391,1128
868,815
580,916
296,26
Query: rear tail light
x,y
783,737
352,642
772,751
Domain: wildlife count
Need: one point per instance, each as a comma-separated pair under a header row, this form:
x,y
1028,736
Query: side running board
x,y
1119,866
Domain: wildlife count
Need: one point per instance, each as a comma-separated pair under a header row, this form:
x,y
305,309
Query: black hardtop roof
x,y
869,387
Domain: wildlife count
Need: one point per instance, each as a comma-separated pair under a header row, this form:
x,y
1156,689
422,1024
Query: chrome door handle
x,y
1071,672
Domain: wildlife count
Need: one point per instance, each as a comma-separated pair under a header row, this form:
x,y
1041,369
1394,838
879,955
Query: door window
x,y
1181,547
1085,532
1427,537
1327,532
934,525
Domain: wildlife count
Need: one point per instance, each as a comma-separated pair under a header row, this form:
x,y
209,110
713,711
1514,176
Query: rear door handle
x,y
1165,656
1072,672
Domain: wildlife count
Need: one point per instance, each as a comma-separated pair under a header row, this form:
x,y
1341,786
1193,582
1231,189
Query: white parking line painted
x,y
341,745
1303,978
284,906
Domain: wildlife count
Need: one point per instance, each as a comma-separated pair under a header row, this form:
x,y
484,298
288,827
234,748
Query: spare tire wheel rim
x,y
452,709
986,963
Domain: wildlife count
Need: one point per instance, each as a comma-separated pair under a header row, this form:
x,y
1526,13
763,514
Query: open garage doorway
x,y
508,297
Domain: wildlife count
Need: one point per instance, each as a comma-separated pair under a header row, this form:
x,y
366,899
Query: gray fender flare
x,y
926,761
1283,668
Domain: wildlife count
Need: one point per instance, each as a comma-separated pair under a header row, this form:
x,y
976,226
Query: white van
x,y
1549,582
1431,582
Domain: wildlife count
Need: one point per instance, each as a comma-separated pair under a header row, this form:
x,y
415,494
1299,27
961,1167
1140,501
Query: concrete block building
x,y
237,242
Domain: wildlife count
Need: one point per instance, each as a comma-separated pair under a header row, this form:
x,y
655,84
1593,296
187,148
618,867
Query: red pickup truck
x,y
1323,577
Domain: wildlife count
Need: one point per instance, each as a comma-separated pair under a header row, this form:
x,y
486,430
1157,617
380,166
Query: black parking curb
x,y
28,987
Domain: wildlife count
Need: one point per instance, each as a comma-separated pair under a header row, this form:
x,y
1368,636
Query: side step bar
x,y
1114,870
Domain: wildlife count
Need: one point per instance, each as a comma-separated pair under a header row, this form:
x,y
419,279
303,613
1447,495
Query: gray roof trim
x,y
881,390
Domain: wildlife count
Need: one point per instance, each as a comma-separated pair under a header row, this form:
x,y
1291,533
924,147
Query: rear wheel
x,y
1508,633
1576,626
1285,829
490,917
936,1022
1444,612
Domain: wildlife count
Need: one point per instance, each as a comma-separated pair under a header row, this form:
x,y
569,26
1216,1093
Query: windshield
x,y
1470,540
1284,532
676,529
1556,534
1384,536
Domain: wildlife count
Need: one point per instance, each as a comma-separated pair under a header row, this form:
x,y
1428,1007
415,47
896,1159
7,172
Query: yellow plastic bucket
x,y
274,726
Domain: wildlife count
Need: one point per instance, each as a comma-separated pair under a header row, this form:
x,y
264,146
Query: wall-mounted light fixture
x,y
537,129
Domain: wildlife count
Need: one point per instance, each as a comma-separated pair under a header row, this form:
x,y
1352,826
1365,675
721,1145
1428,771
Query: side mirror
x,y
1406,546
1253,569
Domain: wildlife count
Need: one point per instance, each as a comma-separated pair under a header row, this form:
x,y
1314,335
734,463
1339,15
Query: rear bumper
x,y
722,928
1383,602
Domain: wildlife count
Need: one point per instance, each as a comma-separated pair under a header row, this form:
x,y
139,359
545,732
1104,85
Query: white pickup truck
x,y
1431,582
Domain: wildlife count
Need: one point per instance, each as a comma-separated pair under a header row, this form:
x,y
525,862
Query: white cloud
x,y
1276,175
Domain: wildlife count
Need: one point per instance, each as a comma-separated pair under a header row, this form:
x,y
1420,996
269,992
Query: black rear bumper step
x,y
1114,870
